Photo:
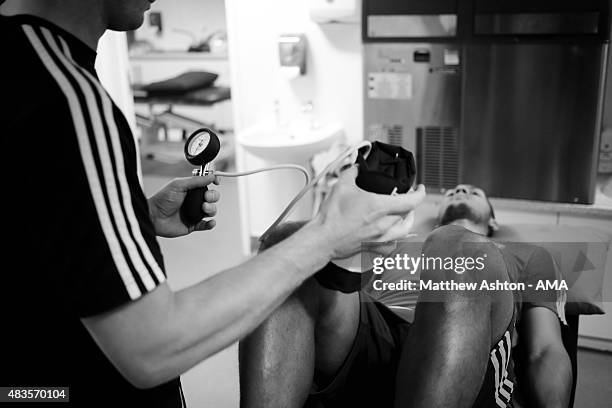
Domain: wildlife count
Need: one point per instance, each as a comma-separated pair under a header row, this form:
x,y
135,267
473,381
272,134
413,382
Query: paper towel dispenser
x,y
292,54
330,11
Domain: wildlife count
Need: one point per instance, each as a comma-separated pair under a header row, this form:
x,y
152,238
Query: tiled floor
x,y
214,383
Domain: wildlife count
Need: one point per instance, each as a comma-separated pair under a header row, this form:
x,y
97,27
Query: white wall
x,y
333,80
334,68
112,66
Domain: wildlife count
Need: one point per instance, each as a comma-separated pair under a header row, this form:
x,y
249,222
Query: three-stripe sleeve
x,y
99,143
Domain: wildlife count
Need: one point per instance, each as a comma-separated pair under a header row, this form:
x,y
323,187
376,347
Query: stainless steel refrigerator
x,y
506,95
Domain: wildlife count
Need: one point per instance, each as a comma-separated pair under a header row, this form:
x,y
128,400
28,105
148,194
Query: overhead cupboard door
x,y
392,20
541,18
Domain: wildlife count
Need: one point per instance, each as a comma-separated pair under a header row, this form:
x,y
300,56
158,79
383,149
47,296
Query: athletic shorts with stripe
x,y
367,376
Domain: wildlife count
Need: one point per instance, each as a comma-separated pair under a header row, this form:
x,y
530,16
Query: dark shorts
x,y
367,376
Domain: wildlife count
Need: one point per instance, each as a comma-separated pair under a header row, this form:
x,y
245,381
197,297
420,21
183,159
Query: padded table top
x,y
201,97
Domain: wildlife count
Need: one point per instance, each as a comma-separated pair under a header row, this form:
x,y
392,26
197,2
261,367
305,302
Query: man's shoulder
x,y
7,24
26,79
13,38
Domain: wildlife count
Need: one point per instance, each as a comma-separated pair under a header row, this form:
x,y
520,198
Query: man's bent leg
x,y
445,356
278,360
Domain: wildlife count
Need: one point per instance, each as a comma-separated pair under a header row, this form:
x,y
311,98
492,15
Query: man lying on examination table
x,y
325,348
85,303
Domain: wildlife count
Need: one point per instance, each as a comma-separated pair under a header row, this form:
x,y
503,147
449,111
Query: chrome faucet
x,y
307,109
277,113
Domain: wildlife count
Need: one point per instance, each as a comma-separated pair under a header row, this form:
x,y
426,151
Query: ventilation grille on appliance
x,y
395,135
437,157
392,134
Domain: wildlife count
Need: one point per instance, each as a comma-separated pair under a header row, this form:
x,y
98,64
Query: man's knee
x,y
453,252
450,239
476,262
297,314
307,295
463,265
310,293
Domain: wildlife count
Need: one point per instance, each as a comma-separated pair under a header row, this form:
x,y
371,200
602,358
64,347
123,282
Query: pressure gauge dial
x,y
198,143
202,147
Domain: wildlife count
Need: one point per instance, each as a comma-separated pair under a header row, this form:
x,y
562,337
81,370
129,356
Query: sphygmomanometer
x,y
382,169
201,148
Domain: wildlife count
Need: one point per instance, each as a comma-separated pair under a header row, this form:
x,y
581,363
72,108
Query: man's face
x,y
125,15
464,202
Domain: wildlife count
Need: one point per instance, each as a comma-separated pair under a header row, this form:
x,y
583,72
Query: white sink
x,y
295,144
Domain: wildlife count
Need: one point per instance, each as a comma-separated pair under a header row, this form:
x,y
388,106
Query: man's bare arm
x,y
163,334
549,370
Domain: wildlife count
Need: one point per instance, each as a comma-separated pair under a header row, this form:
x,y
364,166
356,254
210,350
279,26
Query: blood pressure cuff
x,y
385,169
